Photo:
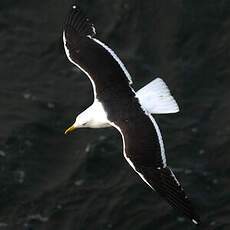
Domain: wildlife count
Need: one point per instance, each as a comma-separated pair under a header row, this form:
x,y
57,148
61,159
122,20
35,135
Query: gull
x,y
116,104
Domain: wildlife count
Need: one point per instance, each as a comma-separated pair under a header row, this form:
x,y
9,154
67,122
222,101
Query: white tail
x,y
156,98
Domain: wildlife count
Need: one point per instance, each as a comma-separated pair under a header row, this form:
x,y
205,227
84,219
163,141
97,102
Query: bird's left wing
x,y
144,150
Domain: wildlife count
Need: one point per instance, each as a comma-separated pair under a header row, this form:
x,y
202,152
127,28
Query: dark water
x,y
52,182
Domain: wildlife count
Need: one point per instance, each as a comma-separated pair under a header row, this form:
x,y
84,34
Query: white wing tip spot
x,y
194,221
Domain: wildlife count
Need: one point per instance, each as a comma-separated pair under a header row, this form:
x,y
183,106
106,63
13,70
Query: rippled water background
x,y
49,181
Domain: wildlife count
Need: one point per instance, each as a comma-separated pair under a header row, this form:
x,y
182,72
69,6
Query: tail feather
x,y
156,98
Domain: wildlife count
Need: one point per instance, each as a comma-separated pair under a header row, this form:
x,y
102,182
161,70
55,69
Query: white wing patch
x,y
116,58
160,141
156,98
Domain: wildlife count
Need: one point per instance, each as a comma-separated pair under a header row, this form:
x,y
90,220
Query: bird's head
x,y
83,120
93,117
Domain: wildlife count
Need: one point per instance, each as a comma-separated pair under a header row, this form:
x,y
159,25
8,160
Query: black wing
x,y
144,151
93,57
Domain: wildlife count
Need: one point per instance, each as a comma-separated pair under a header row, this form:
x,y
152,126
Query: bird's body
x,y
117,104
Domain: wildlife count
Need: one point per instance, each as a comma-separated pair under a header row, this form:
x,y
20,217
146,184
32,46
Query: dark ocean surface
x,y
49,181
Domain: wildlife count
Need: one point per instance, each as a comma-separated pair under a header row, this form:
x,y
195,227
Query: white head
x,y
93,117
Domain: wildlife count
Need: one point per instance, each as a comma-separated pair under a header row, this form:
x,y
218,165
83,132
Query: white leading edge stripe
x,y
128,160
116,58
160,141
68,55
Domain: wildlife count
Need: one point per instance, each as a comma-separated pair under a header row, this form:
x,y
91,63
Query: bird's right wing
x,y
90,55
77,32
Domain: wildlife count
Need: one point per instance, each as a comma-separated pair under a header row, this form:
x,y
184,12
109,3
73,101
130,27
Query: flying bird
x,y
118,105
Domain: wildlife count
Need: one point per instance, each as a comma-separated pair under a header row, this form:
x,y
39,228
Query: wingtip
x,y
78,21
196,221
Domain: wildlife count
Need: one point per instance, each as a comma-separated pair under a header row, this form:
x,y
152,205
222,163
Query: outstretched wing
x,y
94,58
144,150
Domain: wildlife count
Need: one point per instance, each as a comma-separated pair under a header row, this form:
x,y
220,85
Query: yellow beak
x,y
70,130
